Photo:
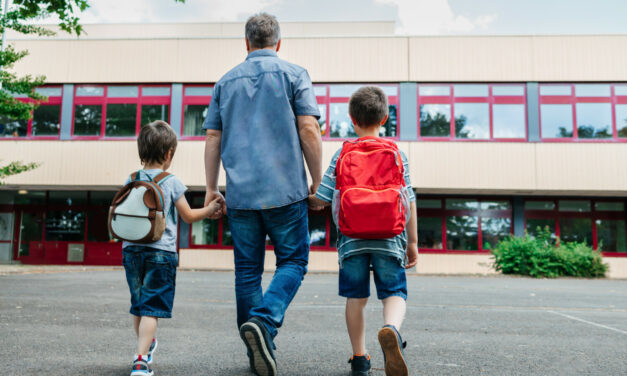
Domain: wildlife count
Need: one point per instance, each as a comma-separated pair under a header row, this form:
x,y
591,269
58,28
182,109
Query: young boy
x,y
368,109
151,268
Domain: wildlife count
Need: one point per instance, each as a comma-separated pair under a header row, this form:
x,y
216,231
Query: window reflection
x,y
462,204
65,225
31,227
340,124
87,120
323,119
46,120
509,120
493,230
594,120
472,120
13,128
121,120
439,90
611,235
556,120
205,232
430,232
535,225
576,230
621,120
193,119
462,233
470,90
435,120
317,230
154,112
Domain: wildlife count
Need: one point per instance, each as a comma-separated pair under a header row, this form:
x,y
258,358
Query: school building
x,y
504,134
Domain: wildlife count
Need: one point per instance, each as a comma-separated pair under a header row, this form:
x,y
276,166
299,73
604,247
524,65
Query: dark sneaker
x,y
257,339
141,368
151,350
392,345
360,365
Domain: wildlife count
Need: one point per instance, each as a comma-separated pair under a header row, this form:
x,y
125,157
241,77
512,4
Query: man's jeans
x,y
287,227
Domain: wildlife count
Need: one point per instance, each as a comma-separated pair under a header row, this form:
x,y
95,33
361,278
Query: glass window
x,y
13,128
621,120
89,91
493,230
508,90
30,231
430,232
156,91
472,120
49,91
462,233
470,90
87,120
67,198
555,90
154,112
333,236
611,235
97,227
592,90
317,230
462,204
576,230
609,206
535,225
101,198
323,118
435,120
227,239
574,205
344,91
495,205
121,120
620,90
340,124
320,91
557,120
509,120
6,226
594,120
429,204
205,232
389,128
46,120
435,90
65,226
30,198
199,91
193,118
122,91
539,205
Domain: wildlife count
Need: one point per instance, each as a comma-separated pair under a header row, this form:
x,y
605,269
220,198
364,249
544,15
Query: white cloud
x,y
433,17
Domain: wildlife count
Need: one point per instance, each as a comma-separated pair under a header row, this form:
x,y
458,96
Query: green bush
x,y
542,256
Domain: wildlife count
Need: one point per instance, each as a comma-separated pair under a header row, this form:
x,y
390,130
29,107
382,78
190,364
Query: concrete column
x,y
533,112
408,117
176,108
67,109
518,211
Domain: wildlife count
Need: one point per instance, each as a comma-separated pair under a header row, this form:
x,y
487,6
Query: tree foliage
x,y
15,168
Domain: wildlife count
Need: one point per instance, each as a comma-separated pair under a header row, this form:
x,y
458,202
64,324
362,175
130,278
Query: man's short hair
x,y
368,106
262,30
154,141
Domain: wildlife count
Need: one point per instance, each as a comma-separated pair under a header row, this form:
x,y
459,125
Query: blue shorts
x,y
151,277
389,276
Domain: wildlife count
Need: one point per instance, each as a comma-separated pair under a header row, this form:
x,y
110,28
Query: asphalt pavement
x,y
77,323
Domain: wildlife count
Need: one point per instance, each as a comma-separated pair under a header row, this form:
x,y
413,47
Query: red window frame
x,y
572,100
491,99
103,100
52,100
327,100
194,100
555,214
442,213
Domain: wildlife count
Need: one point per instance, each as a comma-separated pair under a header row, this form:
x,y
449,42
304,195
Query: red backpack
x,y
371,199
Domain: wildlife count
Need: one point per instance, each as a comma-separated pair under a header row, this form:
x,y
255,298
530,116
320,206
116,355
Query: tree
x,y
15,168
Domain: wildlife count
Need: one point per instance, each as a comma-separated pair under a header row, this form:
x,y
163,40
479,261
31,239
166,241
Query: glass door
x,y
30,248
6,237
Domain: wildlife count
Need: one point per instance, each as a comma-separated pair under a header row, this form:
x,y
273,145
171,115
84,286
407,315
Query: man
x,y
261,121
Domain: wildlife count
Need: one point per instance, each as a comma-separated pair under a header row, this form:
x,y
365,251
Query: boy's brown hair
x,y
368,106
154,141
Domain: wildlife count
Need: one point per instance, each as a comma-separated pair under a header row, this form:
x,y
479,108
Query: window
x,y
599,223
333,105
462,224
583,112
472,112
46,119
196,100
118,111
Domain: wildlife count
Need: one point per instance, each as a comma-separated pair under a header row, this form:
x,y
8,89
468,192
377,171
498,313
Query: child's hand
x,y
315,203
215,208
412,255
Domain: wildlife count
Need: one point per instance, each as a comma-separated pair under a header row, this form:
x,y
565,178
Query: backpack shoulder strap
x,y
162,177
135,176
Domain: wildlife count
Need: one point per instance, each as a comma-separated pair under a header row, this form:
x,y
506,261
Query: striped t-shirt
x,y
347,246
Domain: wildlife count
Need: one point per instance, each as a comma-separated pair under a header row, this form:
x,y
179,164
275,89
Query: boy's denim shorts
x,y
389,276
151,277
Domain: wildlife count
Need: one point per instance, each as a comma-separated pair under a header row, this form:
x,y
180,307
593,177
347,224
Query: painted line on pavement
x,y
588,322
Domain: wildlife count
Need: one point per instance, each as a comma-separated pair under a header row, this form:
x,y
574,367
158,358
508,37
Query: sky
x,y
412,17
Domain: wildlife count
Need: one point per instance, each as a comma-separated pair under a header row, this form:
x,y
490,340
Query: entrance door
x,y
6,237
28,239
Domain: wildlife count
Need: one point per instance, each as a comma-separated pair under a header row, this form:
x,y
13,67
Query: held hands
x,y
215,204
315,203
412,255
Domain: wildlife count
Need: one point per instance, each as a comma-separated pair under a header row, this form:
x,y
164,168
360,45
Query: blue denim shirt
x,y
255,106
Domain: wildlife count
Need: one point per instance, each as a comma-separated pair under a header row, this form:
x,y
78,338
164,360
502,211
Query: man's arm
x,y
212,165
311,143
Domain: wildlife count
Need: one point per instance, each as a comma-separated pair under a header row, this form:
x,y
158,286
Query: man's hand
x,y
412,255
316,204
212,195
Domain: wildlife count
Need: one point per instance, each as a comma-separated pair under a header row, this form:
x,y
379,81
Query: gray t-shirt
x,y
172,189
